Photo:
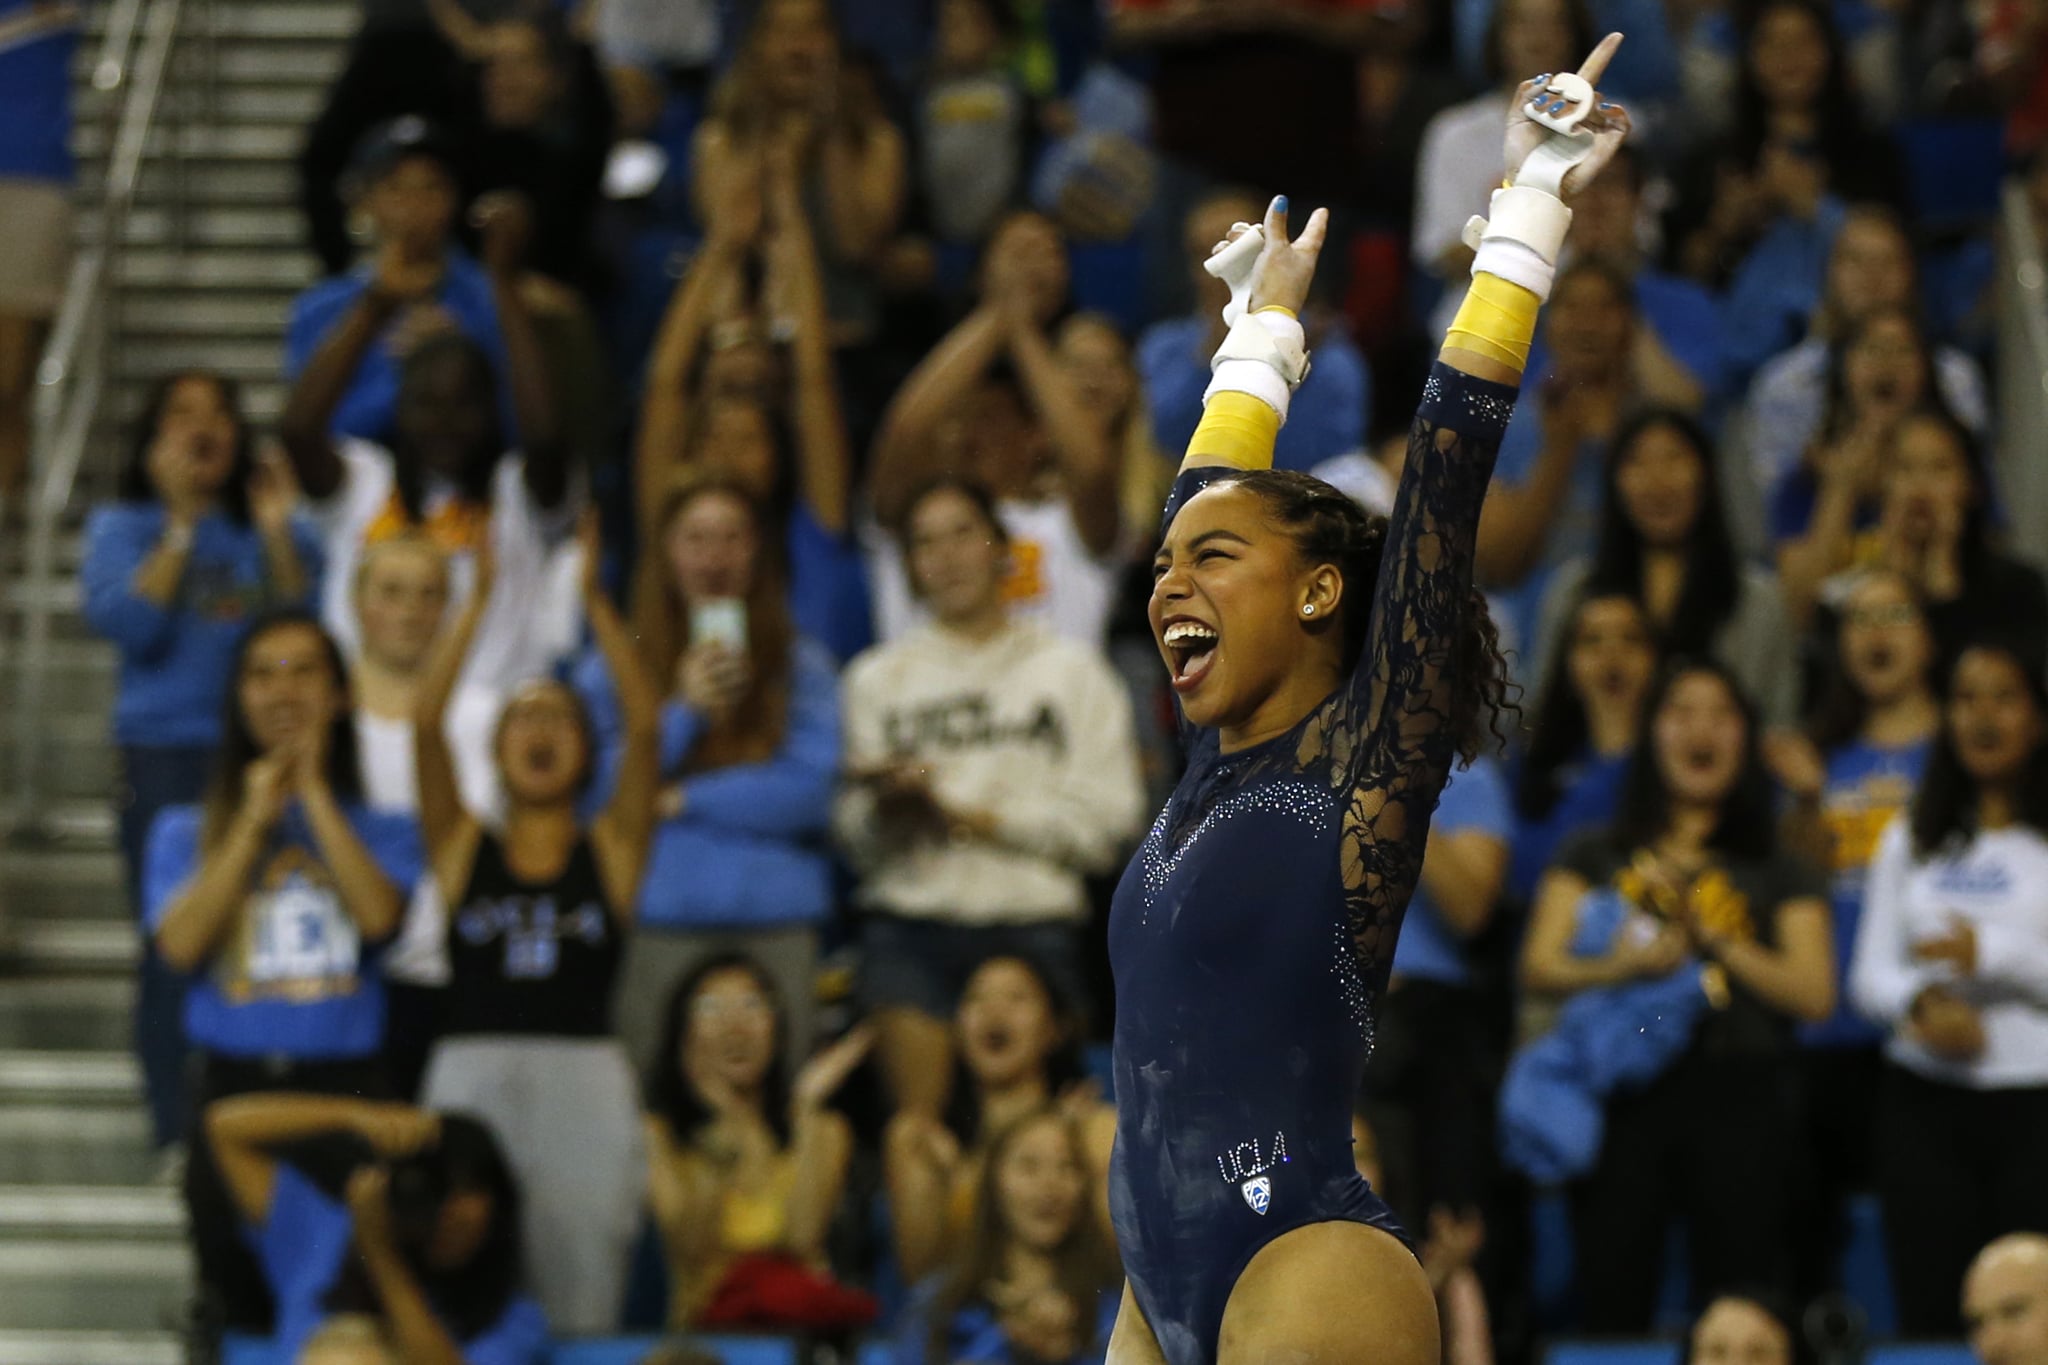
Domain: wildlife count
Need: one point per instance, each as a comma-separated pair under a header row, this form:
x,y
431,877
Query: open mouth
x,y
1190,650
1702,760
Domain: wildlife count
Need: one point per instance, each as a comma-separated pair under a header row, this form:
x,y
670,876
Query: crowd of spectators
x,y
507,950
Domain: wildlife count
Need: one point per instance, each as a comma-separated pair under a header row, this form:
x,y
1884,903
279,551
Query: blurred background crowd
x,y
620,781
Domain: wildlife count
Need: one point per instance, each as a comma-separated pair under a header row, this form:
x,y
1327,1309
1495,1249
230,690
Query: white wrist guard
x,y
1233,265
1264,354
1521,241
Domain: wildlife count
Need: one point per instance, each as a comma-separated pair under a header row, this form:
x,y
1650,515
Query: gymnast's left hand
x,y
1608,123
1281,276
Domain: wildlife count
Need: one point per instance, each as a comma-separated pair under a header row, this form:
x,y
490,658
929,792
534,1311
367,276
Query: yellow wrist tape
x,y
1497,320
1275,308
1238,430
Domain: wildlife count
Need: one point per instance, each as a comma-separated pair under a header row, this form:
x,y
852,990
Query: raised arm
x,y
243,1130
442,816
626,827
1080,446
320,387
660,445
1400,721
207,901
824,462
905,451
504,221
367,894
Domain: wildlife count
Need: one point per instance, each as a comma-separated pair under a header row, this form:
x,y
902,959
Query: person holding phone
x,y
749,753
537,906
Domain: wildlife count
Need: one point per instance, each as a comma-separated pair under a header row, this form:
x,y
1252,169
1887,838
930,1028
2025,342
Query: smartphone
x,y
722,620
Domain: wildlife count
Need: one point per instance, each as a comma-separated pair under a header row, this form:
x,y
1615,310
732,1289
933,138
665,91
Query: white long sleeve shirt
x,y
1032,728
1998,884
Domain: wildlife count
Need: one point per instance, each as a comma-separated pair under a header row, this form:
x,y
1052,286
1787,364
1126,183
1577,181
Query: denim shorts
x,y
924,964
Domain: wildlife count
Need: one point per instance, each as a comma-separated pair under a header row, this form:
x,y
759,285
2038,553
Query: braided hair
x,y
1328,527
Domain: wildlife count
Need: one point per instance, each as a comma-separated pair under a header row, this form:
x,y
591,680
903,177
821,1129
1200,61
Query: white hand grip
x,y
1233,265
1571,90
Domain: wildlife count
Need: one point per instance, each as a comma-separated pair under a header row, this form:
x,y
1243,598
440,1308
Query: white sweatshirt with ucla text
x,y
1031,728
1997,883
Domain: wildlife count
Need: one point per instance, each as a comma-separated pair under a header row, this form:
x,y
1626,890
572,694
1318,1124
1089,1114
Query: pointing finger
x,y
1596,65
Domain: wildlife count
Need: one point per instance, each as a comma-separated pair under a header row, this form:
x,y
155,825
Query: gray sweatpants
x,y
657,960
567,1112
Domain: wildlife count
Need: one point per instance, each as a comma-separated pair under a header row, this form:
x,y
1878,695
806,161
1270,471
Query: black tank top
x,y
532,959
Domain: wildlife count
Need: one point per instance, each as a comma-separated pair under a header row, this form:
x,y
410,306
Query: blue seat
x,y
237,1348
732,1350
1921,1353
1866,1276
1612,1353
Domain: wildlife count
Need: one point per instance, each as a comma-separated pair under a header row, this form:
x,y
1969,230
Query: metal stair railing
x,y
2022,376
73,378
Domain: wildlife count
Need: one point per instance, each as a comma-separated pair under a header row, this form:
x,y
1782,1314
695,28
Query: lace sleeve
x,y
1387,736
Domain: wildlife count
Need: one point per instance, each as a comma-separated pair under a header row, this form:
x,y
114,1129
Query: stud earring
x,y
1308,609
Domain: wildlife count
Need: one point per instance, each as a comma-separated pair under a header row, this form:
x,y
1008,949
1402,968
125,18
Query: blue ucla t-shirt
x,y
290,977
177,658
1475,801
1588,793
1867,785
303,1245
37,41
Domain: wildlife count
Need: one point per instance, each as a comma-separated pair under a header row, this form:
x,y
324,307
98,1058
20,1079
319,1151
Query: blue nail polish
x,y
1279,203
1557,108
1543,79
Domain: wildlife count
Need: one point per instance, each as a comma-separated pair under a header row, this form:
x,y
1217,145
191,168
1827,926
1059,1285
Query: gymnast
x,y
1329,666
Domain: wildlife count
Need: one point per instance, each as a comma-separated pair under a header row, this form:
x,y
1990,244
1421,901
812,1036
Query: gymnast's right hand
x,y
1280,277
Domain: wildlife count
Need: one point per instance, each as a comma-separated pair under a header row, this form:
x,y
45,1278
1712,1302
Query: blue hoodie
x,y
175,660
749,849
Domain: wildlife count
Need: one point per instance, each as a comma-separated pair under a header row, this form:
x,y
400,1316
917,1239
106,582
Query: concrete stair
x,y
93,1264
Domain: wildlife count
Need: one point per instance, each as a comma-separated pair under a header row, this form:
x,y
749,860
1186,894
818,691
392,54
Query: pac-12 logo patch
x,y
1258,1192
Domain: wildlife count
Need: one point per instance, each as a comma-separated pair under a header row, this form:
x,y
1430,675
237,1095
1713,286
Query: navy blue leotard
x,y
1251,935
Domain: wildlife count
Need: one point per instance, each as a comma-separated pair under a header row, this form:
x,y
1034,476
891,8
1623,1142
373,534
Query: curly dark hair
x,y
1328,527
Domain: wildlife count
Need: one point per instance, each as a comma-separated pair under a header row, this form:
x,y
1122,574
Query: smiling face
x,y
1660,479
401,594
956,558
1006,1023
1788,52
730,1030
1040,1184
1612,656
713,547
1928,484
1226,610
1737,1332
1884,641
1992,716
1700,738
287,688
543,745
